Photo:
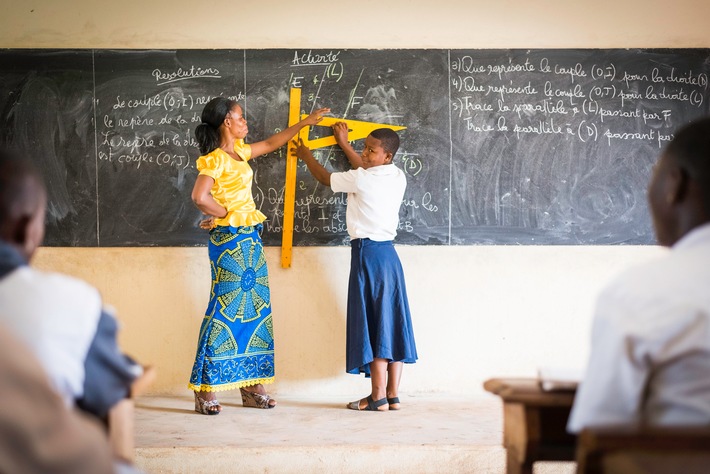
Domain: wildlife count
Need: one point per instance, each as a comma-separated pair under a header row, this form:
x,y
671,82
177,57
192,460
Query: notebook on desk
x,y
559,378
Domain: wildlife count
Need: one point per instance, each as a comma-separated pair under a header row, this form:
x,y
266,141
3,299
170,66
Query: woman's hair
x,y
389,140
207,133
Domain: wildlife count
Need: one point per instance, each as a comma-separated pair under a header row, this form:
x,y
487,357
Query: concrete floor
x,y
430,434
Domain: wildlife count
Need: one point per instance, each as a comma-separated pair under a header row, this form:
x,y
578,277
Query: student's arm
x,y
202,197
317,170
280,139
340,132
108,372
39,433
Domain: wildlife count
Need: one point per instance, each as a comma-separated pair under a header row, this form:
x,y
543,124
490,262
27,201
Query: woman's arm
x,y
321,174
340,132
202,197
280,139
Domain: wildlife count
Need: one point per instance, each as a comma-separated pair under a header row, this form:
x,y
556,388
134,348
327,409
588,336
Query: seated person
x,y
38,433
650,351
58,317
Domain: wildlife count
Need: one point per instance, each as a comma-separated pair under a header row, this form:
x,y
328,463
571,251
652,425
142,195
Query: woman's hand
x,y
281,138
207,223
315,116
340,132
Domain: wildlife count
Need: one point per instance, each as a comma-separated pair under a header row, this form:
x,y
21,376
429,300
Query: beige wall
x,y
479,311
364,24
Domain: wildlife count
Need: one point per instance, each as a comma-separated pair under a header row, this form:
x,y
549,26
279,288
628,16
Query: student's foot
x,y
393,403
368,404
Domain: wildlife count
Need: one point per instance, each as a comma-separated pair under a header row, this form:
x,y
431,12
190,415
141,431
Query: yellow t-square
x,y
356,130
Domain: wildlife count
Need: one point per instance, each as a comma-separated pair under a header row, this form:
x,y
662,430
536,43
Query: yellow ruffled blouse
x,y
232,185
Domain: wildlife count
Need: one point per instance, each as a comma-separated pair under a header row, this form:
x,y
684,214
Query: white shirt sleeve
x,y
611,391
345,182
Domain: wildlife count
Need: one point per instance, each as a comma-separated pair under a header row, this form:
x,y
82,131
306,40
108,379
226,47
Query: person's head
x,y
221,116
679,191
380,148
23,200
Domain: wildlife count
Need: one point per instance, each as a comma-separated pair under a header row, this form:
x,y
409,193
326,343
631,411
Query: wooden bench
x,y
612,450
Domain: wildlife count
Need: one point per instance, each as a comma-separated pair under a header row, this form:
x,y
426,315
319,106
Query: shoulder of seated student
x,y
663,281
57,317
656,306
61,295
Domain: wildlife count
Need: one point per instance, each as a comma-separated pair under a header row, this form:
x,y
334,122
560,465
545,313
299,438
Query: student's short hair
x,y
388,139
15,171
690,148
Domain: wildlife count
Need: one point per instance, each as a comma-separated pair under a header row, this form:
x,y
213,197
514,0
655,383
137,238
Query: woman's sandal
x,y
207,407
393,401
256,400
372,405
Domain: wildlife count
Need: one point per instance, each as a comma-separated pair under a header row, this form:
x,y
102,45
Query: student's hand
x,y
301,150
316,116
207,223
340,132
314,167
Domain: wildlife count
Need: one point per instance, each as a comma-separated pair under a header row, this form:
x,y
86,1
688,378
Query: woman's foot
x,y
368,404
207,404
393,402
255,396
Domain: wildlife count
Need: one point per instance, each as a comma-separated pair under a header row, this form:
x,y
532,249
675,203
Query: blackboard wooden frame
x,y
513,147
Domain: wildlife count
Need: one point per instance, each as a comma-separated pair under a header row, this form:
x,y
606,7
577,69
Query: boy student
x,y
650,353
59,318
379,327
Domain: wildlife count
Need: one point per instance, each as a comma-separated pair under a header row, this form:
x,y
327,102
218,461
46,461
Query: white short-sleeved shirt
x,y
374,198
650,356
56,316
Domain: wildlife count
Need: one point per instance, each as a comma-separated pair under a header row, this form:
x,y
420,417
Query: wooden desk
x,y
534,423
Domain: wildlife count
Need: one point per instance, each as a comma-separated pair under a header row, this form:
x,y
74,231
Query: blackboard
x,y
501,146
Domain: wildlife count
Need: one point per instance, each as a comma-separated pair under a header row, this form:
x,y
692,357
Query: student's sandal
x,y
393,401
372,405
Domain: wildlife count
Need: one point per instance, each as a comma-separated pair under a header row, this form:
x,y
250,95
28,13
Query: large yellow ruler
x,y
356,130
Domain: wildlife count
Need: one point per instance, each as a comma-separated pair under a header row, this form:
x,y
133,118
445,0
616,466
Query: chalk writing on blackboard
x,y
570,136
501,146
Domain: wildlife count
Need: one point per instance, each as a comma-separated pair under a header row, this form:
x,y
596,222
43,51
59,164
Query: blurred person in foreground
x,y
650,353
59,318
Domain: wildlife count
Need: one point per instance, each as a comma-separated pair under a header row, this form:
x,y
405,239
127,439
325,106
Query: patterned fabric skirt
x,y
236,342
379,322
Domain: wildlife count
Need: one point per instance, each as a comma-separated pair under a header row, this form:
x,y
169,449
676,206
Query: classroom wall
x,y
479,311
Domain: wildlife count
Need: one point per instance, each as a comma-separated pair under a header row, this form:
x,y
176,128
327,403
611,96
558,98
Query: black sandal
x,y
392,401
372,405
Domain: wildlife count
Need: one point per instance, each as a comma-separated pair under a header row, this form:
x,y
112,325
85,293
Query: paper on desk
x,y
559,378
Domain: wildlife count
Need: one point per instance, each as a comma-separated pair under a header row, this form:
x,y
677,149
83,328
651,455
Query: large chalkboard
x,y
501,146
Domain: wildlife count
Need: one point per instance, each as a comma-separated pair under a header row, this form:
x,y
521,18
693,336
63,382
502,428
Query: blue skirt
x,y
236,341
379,322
